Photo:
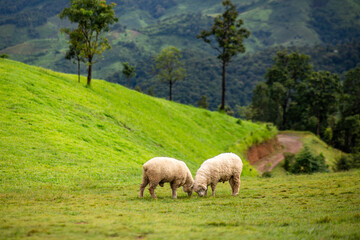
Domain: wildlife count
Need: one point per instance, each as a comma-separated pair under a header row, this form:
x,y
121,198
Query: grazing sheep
x,y
162,169
224,167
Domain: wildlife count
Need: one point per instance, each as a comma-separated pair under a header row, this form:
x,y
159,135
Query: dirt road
x,y
289,143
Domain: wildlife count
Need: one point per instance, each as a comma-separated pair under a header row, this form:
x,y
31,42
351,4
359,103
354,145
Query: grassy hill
x,y
54,129
70,168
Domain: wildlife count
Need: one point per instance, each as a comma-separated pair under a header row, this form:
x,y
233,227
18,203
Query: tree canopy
x,y
93,18
169,67
226,37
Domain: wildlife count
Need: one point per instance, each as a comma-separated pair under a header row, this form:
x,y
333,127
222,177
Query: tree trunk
x,y
285,105
318,124
222,107
89,73
78,70
170,90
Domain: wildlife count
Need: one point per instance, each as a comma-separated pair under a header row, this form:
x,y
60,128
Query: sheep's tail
x,y
144,183
145,179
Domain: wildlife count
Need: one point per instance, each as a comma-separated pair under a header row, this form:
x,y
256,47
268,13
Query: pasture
x,y
71,157
319,206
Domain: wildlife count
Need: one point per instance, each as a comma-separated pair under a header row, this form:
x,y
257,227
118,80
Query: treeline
x,y
204,73
296,96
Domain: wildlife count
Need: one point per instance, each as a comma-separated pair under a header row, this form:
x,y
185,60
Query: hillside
x,y
54,129
70,168
30,33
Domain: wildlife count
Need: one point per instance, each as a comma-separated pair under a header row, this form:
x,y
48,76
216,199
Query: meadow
x,y
320,206
71,157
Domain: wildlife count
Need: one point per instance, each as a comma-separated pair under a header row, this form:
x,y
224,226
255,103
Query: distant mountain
x,y
30,33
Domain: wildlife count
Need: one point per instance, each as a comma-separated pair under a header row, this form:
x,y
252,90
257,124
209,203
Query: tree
x,y
351,99
320,93
169,67
347,131
203,102
128,71
75,43
289,69
229,35
93,18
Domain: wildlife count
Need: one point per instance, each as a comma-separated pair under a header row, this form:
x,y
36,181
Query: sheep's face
x,y
200,189
188,189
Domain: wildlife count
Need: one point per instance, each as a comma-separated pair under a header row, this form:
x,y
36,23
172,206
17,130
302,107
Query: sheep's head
x,y
200,189
188,189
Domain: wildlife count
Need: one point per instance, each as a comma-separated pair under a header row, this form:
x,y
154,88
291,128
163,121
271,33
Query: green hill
x,y
70,168
54,129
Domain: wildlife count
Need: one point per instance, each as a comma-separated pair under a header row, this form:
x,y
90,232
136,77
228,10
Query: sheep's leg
x,y
174,188
145,182
213,187
152,189
235,185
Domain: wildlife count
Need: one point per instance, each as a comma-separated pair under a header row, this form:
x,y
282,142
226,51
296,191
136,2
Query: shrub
x,y
307,162
347,162
344,163
289,160
227,110
266,175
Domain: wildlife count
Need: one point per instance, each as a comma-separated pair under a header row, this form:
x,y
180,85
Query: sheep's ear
x,y
192,186
204,187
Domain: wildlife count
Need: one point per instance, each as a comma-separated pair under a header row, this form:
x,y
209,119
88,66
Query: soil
x,y
266,156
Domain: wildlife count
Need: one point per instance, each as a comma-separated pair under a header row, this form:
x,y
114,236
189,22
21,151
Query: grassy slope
x,y
70,168
55,130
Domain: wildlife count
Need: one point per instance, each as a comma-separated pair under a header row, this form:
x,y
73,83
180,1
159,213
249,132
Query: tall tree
x,y
128,71
93,18
169,67
351,99
229,34
289,69
319,93
75,43
347,131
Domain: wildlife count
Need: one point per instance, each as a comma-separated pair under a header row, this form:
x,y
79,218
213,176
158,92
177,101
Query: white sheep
x,y
224,167
162,169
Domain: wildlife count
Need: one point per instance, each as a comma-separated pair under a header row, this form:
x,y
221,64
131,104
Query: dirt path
x,y
289,143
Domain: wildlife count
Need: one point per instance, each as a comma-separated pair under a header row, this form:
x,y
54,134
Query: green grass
x,y
70,168
322,206
57,131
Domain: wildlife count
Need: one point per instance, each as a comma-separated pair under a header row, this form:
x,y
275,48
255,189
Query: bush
x,y
307,162
289,160
266,175
227,110
344,163
347,162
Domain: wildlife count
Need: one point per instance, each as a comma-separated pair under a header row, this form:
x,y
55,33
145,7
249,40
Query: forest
x,y
295,96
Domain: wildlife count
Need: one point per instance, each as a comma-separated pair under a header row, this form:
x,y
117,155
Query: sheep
x,y
159,170
224,167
